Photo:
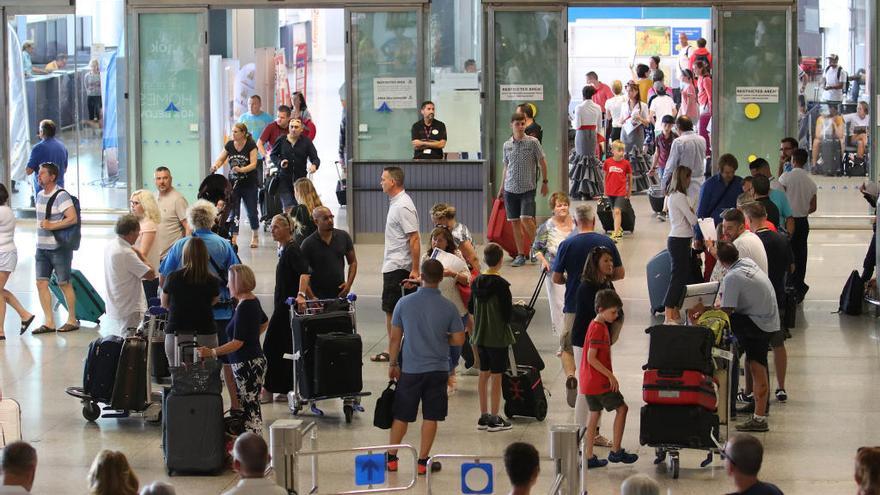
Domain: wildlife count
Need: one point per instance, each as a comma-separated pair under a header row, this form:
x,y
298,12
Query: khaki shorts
x,y
565,336
608,401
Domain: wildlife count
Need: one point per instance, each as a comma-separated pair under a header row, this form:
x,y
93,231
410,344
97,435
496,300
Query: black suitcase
x,y
524,349
606,215
270,202
789,308
680,347
306,330
338,365
681,426
130,386
524,393
159,361
193,437
99,371
830,157
656,198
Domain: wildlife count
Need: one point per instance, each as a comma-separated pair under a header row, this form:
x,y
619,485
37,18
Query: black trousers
x,y
680,252
870,260
799,250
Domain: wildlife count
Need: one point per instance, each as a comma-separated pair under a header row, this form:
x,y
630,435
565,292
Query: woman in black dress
x,y
279,340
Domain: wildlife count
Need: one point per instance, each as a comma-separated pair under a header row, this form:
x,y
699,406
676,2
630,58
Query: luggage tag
x,y
721,353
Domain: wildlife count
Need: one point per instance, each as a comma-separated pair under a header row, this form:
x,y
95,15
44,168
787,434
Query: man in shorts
x,y
51,257
431,324
402,246
522,157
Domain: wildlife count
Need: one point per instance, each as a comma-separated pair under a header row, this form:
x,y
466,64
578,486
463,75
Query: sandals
x,y
25,324
382,357
601,441
255,242
42,329
68,327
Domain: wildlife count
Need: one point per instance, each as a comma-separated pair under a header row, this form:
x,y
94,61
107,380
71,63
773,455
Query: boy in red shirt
x,y
618,183
598,383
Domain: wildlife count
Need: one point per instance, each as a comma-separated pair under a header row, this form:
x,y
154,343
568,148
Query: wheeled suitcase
x,y
524,349
500,231
523,391
789,308
659,273
656,198
270,202
681,426
193,436
830,157
306,331
99,371
679,388
89,304
680,347
10,421
130,385
606,215
338,365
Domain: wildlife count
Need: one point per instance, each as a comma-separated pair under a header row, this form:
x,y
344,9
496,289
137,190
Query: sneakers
x,y
781,396
595,462
744,397
571,390
497,423
623,456
616,236
391,462
753,424
520,260
484,421
532,258
423,466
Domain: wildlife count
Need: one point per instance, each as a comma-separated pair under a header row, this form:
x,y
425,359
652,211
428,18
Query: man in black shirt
x,y
761,186
326,251
428,135
291,153
743,455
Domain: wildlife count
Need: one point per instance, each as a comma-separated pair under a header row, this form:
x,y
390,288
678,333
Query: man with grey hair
x,y
158,488
567,268
639,484
19,466
124,268
250,459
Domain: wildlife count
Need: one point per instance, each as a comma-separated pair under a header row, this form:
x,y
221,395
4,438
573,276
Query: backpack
x,y
852,295
70,237
716,320
845,88
704,57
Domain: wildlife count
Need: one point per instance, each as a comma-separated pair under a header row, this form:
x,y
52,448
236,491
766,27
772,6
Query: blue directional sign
x,y
369,469
482,472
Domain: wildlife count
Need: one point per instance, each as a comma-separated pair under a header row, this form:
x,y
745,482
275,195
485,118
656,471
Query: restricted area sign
x,y
476,478
369,469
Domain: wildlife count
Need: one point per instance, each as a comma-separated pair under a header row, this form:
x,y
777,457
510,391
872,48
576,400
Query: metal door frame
x,y
134,85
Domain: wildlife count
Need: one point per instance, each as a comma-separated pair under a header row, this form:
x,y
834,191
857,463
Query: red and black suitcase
x,y
679,388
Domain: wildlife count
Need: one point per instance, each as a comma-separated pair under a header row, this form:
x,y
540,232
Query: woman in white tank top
x,y
8,260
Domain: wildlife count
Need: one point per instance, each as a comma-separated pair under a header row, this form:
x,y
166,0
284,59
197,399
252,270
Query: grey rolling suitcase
x,y
193,436
659,272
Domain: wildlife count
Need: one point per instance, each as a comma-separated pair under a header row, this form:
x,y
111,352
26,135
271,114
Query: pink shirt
x,y
603,93
689,105
705,95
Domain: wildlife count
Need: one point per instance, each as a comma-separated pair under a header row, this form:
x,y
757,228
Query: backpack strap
x,y
51,203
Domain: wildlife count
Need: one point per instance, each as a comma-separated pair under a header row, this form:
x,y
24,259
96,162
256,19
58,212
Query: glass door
x,y
526,55
170,84
386,50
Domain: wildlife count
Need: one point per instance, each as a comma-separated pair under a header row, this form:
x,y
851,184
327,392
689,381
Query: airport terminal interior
x,y
166,95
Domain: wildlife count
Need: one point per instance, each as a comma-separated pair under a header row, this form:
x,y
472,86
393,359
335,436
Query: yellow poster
x,y
652,41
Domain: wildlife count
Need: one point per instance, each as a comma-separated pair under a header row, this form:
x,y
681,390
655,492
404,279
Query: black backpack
x,y
704,57
852,296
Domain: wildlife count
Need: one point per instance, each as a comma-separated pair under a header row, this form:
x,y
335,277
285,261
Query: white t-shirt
x,y
7,229
682,218
855,121
123,271
402,220
615,107
799,189
749,246
588,113
832,79
749,291
662,105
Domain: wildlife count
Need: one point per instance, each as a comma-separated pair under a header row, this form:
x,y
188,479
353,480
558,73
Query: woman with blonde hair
x,y
111,474
240,153
143,205
307,199
547,240
242,348
443,215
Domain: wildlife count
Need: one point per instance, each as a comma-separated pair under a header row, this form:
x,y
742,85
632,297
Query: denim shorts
x,y
59,260
519,205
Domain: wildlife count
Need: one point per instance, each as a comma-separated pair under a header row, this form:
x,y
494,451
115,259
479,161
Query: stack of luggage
x,y
521,384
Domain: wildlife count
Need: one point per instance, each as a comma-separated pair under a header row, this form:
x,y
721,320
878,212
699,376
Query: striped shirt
x,y
45,239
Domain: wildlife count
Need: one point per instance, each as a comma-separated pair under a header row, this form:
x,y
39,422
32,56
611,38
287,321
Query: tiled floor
x,y
833,407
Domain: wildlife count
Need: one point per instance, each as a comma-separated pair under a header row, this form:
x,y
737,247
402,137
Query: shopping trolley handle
x,y
351,297
154,301
157,311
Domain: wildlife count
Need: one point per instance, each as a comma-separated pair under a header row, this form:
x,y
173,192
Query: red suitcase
x,y
679,388
500,231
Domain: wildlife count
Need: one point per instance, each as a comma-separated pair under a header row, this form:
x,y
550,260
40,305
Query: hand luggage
x,y
500,231
521,317
270,202
789,308
99,371
341,185
193,433
659,273
682,426
10,421
853,295
830,159
305,335
680,347
679,388
606,215
338,365
130,384
383,416
523,391
656,198
89,304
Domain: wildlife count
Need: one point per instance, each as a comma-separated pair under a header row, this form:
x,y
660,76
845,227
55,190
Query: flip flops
x,y
382,357
25,324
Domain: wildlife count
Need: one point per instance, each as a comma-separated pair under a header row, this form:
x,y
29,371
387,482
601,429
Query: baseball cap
x,y
833,56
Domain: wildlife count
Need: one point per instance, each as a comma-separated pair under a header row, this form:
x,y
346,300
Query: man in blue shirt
x,y
256,120
48,150
431,324
718,193
567,268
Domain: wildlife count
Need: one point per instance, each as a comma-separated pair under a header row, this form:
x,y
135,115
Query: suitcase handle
x,y
534,298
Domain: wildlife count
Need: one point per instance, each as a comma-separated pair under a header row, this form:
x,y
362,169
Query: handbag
x,y
197,378
384,414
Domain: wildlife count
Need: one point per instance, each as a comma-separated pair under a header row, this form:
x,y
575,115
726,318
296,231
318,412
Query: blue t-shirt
x,y
220,251
255,124
245,326
48,150
570,259
426,318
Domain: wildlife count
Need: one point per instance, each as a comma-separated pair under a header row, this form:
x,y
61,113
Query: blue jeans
x,y
248,194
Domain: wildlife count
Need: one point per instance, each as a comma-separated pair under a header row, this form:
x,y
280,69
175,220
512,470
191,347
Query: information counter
x,y
462,183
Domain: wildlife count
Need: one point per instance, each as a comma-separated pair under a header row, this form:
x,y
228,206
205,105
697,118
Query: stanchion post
x,y
564,452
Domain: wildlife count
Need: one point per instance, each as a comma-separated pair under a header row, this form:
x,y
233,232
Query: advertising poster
x,y
693,34
653,40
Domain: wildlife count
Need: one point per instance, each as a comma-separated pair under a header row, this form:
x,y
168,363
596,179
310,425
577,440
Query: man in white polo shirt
x,y
124,268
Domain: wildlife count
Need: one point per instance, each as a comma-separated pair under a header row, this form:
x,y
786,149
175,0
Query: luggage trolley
x,y
325,338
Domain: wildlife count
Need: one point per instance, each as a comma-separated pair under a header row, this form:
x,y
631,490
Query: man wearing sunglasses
x,y
743,455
